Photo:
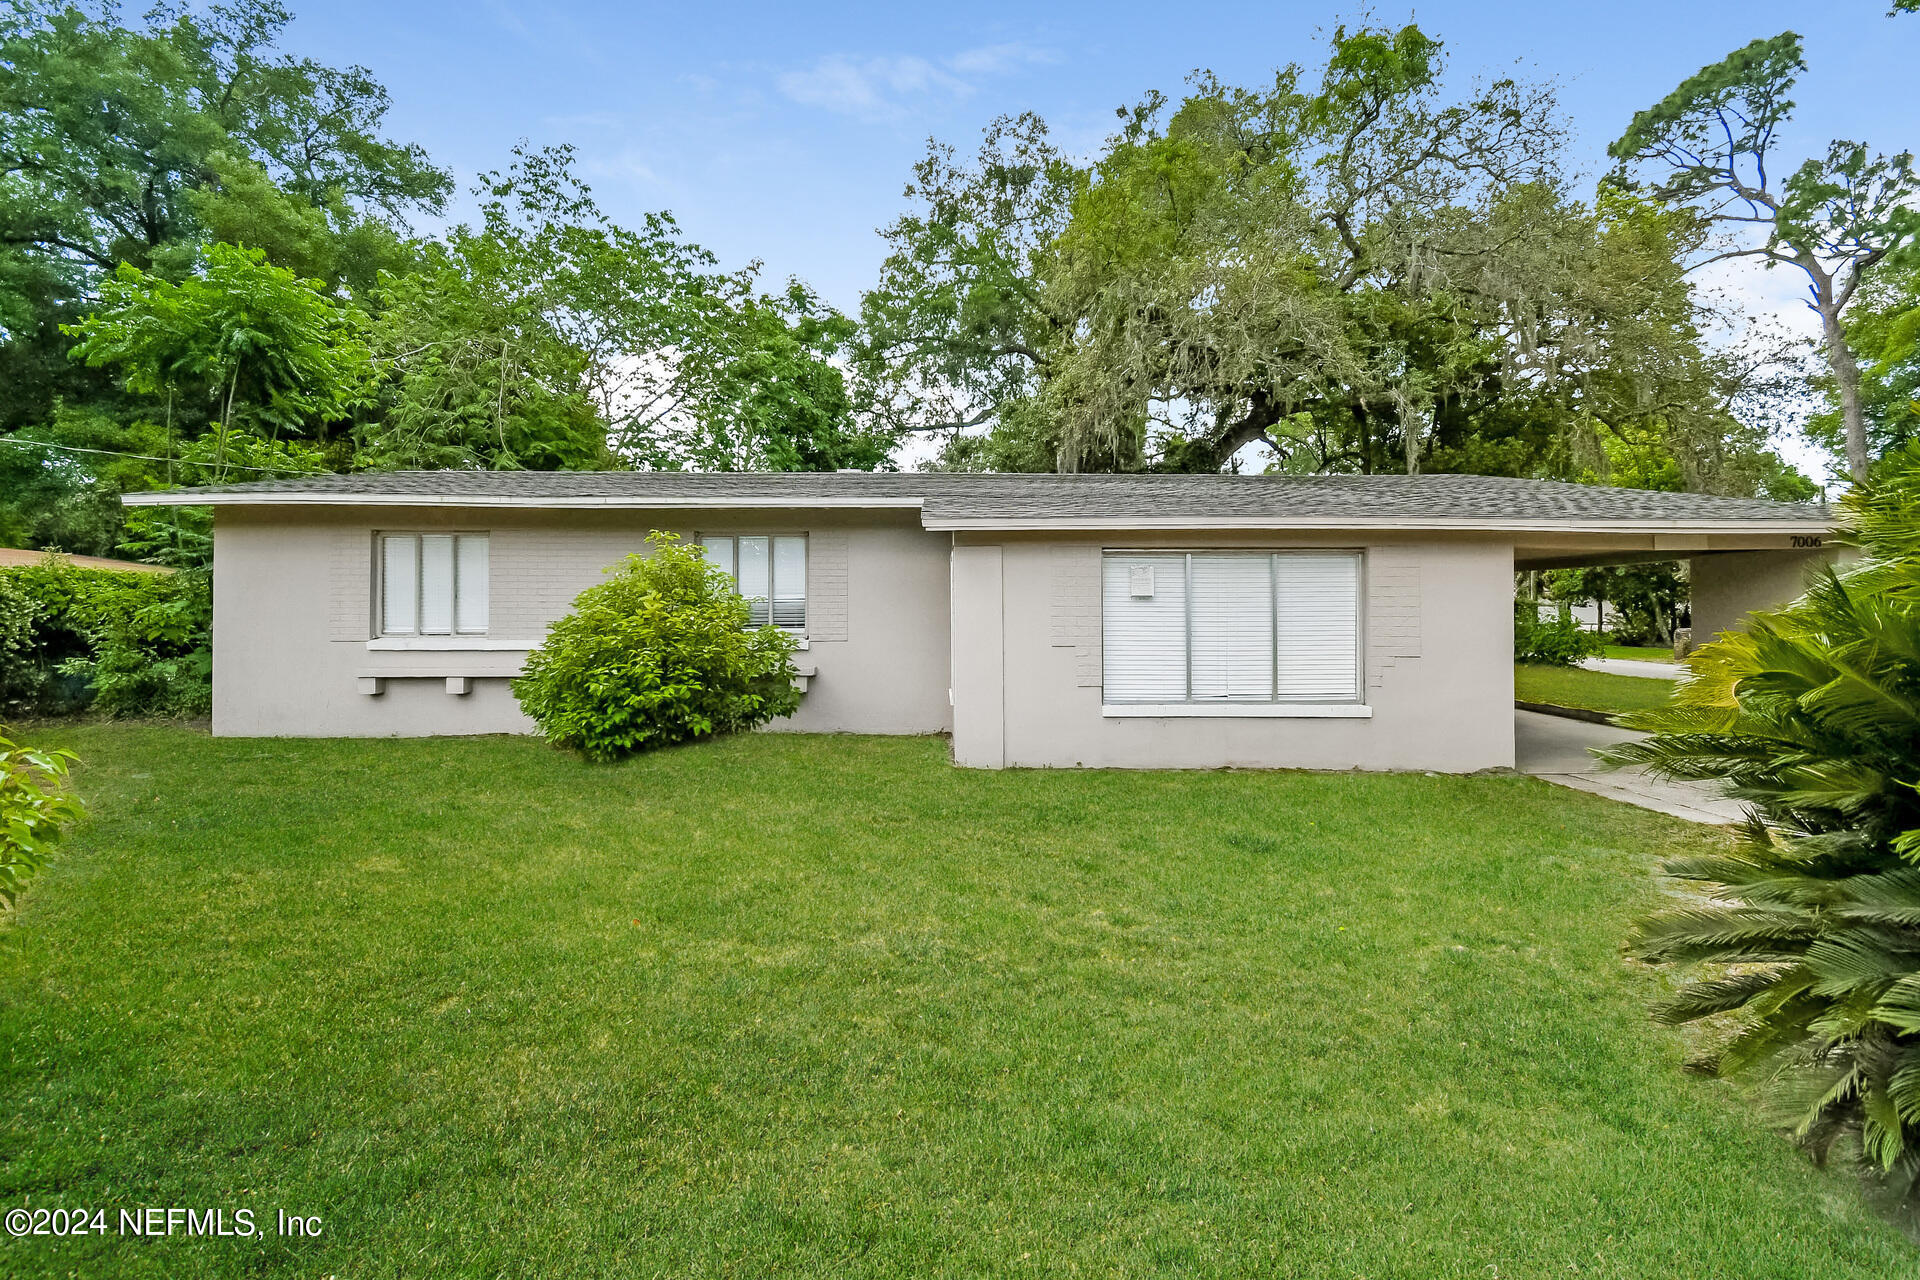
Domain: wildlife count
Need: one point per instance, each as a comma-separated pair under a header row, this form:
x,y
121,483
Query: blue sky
x,y
786,132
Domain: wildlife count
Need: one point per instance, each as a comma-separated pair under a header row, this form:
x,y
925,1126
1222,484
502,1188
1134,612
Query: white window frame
x,y
456,632
772,536
1324,707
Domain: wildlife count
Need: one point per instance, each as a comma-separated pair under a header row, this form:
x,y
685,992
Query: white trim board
x,y
1254,710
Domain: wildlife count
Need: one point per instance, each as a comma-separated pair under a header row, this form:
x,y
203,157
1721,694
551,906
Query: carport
x,y
1732,573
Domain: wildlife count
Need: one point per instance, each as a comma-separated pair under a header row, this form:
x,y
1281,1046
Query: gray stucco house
x,y
1050,620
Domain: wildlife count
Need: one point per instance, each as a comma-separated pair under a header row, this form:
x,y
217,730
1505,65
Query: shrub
x,y
1812,716
1559,643
129,643
659,653
34,812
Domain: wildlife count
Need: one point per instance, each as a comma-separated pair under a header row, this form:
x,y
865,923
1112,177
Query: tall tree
x,y
1359,270
1883,328
1709,146
240,343
549,336
123,144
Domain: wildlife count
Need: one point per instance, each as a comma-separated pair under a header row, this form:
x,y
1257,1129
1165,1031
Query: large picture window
x,y
1230,627
433,584
769,570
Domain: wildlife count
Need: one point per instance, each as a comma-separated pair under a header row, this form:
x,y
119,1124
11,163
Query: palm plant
x,y
1811,923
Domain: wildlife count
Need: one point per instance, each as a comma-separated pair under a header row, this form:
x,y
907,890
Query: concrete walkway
x,y
1633,667
1559,750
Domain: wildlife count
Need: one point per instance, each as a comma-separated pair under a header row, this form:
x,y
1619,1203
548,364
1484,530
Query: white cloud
x,y
627,166
997,59
887,87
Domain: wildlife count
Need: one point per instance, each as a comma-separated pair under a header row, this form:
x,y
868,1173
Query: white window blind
x,y
752,579
433,584
1232,636
789,582
1318,609
399,585
769,571
1144,628
471,573
436,584
1217,627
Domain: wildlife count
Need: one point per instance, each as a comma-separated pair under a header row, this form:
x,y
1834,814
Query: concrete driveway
x,y
1633,667
1559,750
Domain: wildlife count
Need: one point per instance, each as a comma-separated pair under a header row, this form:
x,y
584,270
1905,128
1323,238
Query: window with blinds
x,y
1230,626
433,584
769,571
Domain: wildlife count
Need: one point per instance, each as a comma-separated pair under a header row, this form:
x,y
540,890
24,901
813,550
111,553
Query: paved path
x,y
1633,667
1559,750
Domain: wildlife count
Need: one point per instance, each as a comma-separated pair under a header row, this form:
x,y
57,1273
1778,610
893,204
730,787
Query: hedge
x,y
123,643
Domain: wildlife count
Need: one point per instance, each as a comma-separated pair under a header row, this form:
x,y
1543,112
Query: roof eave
x,y
187,498
950,524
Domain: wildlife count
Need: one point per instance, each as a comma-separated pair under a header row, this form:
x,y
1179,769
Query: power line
x,y
122,453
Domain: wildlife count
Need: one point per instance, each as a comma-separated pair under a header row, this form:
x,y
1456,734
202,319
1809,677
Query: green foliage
x,y
1883,326
126,643
35,812
136,143
1366,271
550,337
56,498
251,342
659,653
1706,147
765,394
1644,597
1557,642
1812,716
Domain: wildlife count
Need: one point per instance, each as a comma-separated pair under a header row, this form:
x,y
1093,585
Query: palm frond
x,y
1727,934
1721,995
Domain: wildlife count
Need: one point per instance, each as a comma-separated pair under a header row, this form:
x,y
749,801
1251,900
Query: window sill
x,y
1255,710
444,644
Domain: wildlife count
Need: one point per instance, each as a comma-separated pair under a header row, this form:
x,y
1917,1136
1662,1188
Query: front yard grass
x,y
831,1007
1588,690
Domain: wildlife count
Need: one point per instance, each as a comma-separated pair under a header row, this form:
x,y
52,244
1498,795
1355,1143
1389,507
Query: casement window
x,y
433,584
1230,627
769,570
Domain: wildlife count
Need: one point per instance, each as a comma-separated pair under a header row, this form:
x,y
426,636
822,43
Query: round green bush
x,y
659,653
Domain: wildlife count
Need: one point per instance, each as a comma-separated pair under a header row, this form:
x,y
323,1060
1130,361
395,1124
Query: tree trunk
x,y
1846,376
1412,428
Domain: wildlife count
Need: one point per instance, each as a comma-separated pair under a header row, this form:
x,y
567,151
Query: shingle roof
x,y
960,500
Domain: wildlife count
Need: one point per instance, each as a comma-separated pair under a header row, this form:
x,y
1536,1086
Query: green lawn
x,y
1591,690
1639,654
830,1007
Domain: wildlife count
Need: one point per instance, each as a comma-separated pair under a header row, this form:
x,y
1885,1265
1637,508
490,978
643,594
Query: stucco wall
x,y
293,615
1439,671
1728,585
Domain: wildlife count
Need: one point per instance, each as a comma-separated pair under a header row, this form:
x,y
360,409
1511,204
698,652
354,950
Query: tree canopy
x,y
1709,147
1360,268
206,239
209,252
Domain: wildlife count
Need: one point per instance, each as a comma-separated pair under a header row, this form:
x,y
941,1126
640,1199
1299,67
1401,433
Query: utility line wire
x,y
121,453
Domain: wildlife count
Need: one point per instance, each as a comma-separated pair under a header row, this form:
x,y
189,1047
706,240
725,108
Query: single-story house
x,y
1044,620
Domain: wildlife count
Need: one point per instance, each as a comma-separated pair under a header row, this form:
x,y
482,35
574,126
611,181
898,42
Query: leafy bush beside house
x,y
1812,924
1559,643
659,653
34,812
124,643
